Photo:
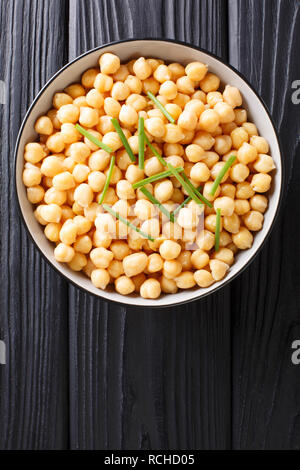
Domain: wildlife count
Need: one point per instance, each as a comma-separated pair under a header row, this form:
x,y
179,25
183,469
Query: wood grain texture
x,y
33,299
265,298
155,379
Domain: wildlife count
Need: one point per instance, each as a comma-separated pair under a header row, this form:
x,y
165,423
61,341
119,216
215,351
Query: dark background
x,y
213,374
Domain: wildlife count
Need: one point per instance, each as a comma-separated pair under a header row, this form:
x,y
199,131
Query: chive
x,y
125,142
221,174
158,204
141,136
151,179
217,232
93,139
203,199
188,199
155,152
111,167
183,183
161,107
126,222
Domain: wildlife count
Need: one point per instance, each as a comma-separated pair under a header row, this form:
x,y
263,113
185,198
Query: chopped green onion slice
x,y
151,179
221,174
107,181
125,142
183,183
155,152
161,107
93,139
141,137
188,199
199,195
126,222
217,232
158,204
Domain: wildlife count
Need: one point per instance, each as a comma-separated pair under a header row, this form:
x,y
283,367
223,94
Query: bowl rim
x,y
200,49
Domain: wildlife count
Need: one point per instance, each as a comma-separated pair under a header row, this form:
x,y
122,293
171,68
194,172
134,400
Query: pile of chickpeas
x,y
65,174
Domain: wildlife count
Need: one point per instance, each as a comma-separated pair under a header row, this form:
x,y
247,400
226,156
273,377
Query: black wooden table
x,y
214,374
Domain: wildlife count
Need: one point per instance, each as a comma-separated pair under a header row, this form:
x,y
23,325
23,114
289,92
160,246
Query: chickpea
x,y
240,116
52,115
260,144
79,152
34,152
228,190
177,196
110,196
175,161
94,98
55,143
214,97
115,269
67,213
78,262
43,125
222,144
35,194
135,263
99,160
138,102
218,269
51,231
188,120
150,289
134,84
80,172
32,175
244,190
168,89
204,140
171,268
168,286
75,90
51,212
210,83
63,181
120,91
77,208
37,215
100,278
103,83
151,227
80,101
96,180
155,263
125,190
225,112
83,224
199,259
225,204
155,126
241,206
68,113
229,127
210,222
152,85
68,232
261,183
177,70
92,211
121,74
196,106
187,218
246,153
64,253
253,220
104,124
142,69
88,78
113,140
225,255
173,134
144,209
239,172
243,239
169,249
196,70
238,136
231,223
232,96
207,189
54,196
83,244
185,280
128,115
203,278
259,203
209,120
185,85
225,238
109,63
264,163
216,170
88,117
61,99
101,239
251,129
200,172
83,195
163,190
181,100
101,257
69,133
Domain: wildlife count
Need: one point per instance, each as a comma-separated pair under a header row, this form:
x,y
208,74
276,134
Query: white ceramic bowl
x,y
170,51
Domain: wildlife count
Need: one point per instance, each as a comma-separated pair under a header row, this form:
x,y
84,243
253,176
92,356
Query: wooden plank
x,y
265,37
33,299
150,379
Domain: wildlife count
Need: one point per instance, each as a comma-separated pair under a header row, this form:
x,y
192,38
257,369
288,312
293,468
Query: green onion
x,y
155,152
217,232
126,222
93,139
125,142
188,199
221,174
203,199
111,167
151,179
161,107
141,136
158,204
183,183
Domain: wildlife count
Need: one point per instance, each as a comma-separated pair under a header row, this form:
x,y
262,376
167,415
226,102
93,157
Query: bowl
x,y
171,51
